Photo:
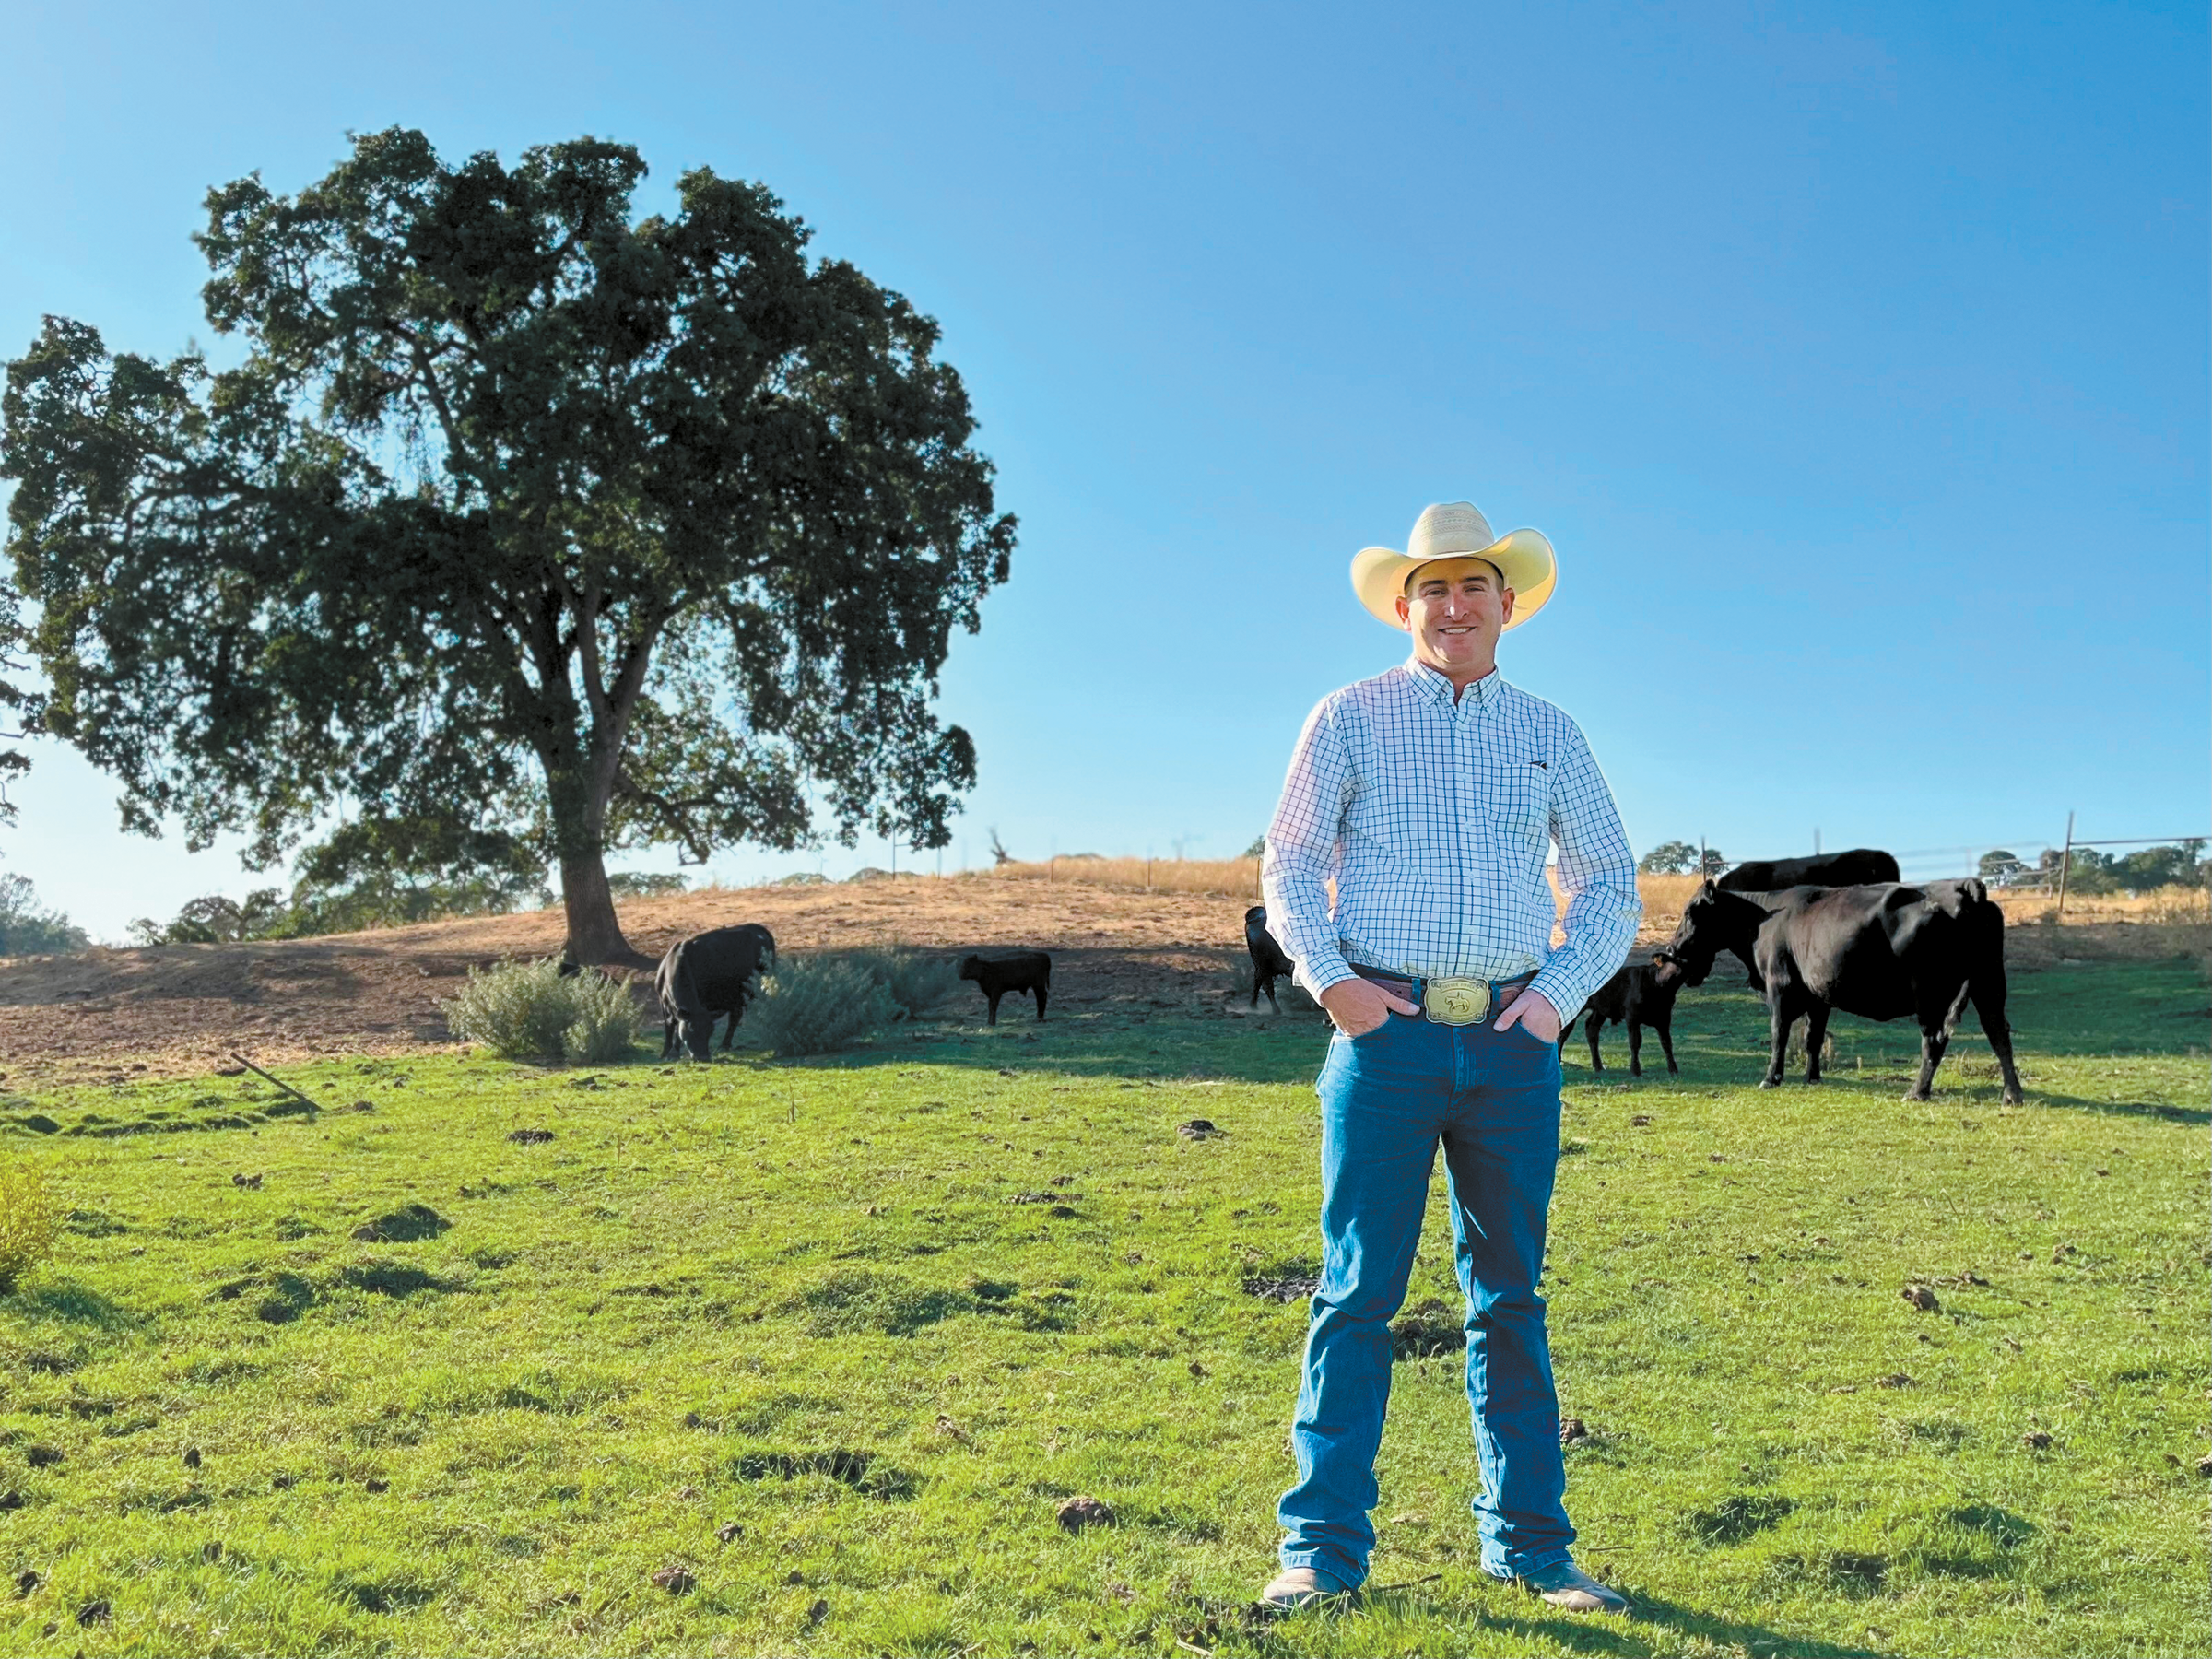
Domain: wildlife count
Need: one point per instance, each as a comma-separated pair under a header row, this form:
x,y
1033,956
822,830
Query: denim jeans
x,y
1388,1097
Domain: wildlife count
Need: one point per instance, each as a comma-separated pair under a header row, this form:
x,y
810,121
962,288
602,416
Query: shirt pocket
x,y
1520,791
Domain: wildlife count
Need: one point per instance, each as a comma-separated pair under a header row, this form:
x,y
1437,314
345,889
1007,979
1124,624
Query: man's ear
x,y
1404,613
1505,605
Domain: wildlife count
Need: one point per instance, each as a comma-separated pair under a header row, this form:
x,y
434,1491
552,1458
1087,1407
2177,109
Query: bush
x,y
606,1020
819,1005
528,1011
26,1222
917,982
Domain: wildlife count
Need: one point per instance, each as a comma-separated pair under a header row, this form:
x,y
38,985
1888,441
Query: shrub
x,y
815,1005
528,1011
606,1021
916,983
26,1222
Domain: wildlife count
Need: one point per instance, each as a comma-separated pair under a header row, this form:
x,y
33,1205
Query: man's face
x,y
1456,608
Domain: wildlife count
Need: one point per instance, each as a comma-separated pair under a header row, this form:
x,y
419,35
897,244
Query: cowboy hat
x,y
1455,530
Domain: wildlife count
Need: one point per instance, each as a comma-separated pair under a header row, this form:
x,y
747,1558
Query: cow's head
x,y
696,1030
1712,921
972,967
1668,972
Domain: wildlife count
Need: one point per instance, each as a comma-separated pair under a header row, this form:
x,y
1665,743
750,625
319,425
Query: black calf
x,y
1268,962
1634,998
1030,971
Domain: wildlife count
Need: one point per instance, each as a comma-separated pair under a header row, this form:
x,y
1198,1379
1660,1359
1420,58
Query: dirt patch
x,y
179,1010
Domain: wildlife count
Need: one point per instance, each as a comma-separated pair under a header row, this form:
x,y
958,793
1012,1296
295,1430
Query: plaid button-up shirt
x,y
1435,817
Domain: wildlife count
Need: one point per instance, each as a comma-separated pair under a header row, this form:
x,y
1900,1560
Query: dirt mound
x,y
182,1008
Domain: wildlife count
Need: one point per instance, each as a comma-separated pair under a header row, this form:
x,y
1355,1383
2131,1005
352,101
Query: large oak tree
x,y
522,514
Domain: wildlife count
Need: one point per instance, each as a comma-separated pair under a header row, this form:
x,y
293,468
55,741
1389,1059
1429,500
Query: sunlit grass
x,y
456,1391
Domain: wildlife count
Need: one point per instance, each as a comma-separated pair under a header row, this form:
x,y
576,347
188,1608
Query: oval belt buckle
x,y
1457,1001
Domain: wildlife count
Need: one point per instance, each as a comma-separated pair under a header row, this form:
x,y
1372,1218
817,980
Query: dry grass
x,y
1222,877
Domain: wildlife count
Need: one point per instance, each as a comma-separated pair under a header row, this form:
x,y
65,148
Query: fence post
x,y
1148,875
1051,865
2065,868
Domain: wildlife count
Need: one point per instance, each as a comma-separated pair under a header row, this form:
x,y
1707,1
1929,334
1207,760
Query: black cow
x,y
704,977
1007,971
1762,876
1268,962
1857,867
1636,996
1881,951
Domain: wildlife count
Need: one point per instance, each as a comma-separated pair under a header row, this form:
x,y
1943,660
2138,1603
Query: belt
x,y
1451,1001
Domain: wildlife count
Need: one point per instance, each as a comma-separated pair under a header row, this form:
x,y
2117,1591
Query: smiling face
x,y
1456,608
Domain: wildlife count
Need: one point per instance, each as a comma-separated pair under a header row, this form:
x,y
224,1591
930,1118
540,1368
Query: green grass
x,y
810,1301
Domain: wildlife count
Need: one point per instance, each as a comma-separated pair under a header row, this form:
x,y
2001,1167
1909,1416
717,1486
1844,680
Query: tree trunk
x,y
595,934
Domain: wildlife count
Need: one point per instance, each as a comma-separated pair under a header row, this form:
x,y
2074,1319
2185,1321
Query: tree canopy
x,y
522,517
1681,858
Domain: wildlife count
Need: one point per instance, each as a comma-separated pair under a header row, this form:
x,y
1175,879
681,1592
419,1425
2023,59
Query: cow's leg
x,y
1988,990
1782,1013
1273,1006
1936,1023
1816,1034
994,995
1665,1027
1041,996
730,1031
1590,1030
1635,1047
668,1037
1260,982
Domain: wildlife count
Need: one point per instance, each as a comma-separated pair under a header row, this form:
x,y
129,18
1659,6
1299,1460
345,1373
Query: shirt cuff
x,y
1323,968
1561,996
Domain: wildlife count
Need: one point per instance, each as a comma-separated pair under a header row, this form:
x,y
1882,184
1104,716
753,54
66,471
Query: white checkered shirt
x,y
1434,817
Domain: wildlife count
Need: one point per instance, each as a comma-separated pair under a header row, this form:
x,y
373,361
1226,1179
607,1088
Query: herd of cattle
x,y
1814,936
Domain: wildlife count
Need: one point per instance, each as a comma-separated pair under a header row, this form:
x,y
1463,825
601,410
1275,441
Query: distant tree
x,y
2001,868
29,928
1258,848
217,919
518,512
2151,867
2086,873
998,852
646,884
383,872
1670,858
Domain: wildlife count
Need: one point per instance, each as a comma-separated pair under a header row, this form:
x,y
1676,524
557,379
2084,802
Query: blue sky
x,y
1853,357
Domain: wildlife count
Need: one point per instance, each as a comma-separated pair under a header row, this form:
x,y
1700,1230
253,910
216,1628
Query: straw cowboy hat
x,y
1455,530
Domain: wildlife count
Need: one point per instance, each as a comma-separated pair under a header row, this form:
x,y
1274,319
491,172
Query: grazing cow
x,y
704,977
1636,996
1881,951
1268,962
1007,971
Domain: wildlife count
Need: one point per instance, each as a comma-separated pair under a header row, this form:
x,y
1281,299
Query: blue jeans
x,y
1387,1099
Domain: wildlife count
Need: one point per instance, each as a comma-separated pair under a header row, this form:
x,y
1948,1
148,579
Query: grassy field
x,y
831,1340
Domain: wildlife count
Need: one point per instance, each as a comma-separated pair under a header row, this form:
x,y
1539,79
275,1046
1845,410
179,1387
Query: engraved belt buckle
x,y
1456,1002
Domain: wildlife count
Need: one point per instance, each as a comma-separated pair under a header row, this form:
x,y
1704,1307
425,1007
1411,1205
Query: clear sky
x,y
1852,357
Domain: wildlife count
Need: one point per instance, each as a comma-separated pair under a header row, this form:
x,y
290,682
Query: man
x,y
1430,795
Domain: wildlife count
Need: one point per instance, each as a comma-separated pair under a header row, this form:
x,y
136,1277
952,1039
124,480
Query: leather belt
x,y
1453,1002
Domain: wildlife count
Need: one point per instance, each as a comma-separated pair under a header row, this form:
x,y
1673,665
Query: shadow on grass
x,y
1576,1632
1721,1034
68,1303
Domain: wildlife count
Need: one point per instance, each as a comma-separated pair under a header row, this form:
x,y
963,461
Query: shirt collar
x,y
1437,687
